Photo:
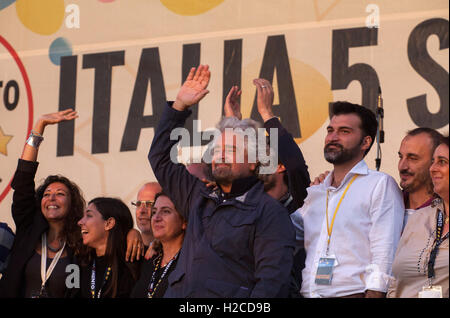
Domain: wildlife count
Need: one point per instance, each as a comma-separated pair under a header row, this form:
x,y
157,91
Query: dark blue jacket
x,y
290,155
237,247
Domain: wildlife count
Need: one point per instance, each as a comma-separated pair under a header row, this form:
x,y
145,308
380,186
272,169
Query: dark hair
x,y
157,246
117,239
369,122
162,193
71,230
444,140
435,136
159,194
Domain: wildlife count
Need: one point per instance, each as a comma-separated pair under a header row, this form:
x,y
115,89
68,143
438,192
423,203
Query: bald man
x,y
143,205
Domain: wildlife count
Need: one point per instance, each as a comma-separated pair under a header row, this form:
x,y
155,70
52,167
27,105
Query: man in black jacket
x,y
239,241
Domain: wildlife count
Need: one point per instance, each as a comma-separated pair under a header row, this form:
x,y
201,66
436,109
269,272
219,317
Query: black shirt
x,y
140,290
125,284
56,283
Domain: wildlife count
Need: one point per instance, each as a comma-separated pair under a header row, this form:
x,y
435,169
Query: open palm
x,y
54,118
232,108
194,88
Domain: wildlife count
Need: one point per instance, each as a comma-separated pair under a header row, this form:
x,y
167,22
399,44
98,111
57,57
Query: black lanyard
x,y
152,287
438,241
105,278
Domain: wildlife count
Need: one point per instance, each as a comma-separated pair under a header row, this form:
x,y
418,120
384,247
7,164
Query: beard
x,y
420,179
222,174
340,155
269,181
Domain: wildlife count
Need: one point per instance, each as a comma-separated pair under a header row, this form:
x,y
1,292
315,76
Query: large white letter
x,y
73,279
373,19
73,19
269,162
185,142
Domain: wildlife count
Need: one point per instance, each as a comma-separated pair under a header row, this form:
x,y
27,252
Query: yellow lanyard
x,y
330,229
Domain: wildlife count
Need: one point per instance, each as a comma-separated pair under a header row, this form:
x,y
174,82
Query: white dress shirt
x,y
365,235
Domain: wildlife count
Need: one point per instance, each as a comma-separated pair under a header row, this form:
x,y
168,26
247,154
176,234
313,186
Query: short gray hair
x,y
242,127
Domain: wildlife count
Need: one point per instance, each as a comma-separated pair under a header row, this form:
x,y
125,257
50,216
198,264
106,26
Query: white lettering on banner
x,y
253,141
373,19
73,19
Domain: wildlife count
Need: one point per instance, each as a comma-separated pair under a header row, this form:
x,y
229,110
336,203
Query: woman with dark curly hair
x,y
47,236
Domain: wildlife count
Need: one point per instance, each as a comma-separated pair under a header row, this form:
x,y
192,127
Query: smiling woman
x,y
104,228
168,227
46,231
47,235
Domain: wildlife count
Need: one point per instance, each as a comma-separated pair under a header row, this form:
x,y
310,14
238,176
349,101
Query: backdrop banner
x,y
117,62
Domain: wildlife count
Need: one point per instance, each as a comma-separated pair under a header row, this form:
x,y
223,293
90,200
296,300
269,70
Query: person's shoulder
x,y
4,227
269,207
378,175
423,213
381,178
423,219
266,200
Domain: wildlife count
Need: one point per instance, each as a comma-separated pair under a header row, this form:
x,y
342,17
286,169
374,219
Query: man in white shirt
x,y
352,222
415,154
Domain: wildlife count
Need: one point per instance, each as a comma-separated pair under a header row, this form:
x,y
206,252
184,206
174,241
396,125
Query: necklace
x,y
152,287
55,250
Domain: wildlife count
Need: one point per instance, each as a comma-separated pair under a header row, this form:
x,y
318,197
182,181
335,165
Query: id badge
x,y
325,270
431,292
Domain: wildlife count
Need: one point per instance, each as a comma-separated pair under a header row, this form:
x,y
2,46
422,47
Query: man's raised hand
x,y
264,98
232,108
194,88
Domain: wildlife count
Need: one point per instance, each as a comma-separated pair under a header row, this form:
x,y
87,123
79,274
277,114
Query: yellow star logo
x,y
4,139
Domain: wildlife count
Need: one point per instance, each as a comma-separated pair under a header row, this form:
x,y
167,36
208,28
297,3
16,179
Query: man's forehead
x,y
345,120
148,191
229,138
420,143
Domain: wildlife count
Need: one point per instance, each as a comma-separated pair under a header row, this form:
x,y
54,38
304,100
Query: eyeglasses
x,y
144,204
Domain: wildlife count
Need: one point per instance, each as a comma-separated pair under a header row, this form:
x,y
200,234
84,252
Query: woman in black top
x,y
104,229
168,227
47,236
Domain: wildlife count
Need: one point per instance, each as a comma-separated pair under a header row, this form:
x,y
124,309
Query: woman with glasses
x,y
168,227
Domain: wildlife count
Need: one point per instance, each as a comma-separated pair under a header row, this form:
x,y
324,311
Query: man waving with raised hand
x,y
239,241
